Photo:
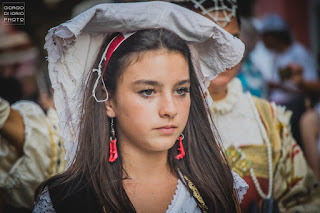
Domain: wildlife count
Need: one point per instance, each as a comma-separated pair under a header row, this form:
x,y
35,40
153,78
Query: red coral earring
x,y
181,149
113,143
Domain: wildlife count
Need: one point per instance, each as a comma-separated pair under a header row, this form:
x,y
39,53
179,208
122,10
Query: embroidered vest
x,y
83,199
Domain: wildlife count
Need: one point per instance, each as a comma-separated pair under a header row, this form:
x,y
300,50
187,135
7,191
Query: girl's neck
x,y
218,95
149,183
144,166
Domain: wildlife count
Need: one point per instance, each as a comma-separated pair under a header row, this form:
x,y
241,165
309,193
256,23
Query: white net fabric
x,y
220,11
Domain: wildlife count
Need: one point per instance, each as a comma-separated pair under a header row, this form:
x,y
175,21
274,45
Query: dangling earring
x,y
181,149
112,143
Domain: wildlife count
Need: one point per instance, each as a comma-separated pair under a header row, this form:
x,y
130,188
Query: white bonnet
x,y
73,47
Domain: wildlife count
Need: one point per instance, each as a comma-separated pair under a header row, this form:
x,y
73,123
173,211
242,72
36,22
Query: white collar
x,y
226,105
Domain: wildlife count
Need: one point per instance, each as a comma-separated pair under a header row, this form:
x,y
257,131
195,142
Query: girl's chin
x,y
161,147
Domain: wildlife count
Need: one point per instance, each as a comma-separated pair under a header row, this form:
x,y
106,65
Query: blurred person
x,y
307,87
12,85
260,55
256,134
310,120
278,38
310,134
31,150
249,74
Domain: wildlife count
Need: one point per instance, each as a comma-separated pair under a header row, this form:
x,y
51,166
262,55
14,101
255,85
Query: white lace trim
x,y
226,105
44,203
282,113
240,186
175,197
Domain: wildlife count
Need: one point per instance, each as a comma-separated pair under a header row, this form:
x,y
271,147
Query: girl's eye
x,y
147,92
183,91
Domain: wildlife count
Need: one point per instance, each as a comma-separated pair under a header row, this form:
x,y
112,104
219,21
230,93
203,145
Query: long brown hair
x,y
204,163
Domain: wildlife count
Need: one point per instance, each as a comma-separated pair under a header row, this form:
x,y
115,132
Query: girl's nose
x,y
168,107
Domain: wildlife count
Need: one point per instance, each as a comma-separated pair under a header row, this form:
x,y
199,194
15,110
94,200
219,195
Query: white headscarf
x,y
74,45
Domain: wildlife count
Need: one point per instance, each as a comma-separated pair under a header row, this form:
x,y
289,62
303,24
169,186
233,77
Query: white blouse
x,y
234,114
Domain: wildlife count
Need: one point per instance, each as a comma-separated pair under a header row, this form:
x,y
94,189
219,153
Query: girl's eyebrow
x,y
147,82
156,83
187,81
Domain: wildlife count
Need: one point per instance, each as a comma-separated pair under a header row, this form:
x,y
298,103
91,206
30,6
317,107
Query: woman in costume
x,y
138,146
256,134
31,151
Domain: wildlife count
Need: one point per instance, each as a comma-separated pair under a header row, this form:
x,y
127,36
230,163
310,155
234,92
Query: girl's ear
x,y
109,104
110,108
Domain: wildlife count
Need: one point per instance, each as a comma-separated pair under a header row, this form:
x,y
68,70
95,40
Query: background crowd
x,y
281,64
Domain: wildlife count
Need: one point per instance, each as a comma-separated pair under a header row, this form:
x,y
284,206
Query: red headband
x,y
112,46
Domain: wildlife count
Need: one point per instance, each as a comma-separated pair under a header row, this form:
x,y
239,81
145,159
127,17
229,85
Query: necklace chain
x,y
266,139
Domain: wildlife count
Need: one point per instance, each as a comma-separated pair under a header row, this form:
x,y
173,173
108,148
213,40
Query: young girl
x,y
145,141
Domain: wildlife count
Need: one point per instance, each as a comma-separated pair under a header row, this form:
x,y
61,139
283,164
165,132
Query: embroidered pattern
x,y
197,195
238,162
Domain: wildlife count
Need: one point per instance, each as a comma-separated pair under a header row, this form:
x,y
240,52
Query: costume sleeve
x,y
295,186
44,203
20,175
4,111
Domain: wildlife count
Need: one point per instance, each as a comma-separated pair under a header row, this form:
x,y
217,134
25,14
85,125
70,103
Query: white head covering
x,y
74,45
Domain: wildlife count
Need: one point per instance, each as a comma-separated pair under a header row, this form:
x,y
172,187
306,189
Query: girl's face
x,y
152,101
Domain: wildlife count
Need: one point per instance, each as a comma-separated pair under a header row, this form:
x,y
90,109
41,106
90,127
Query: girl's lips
x,y
167,130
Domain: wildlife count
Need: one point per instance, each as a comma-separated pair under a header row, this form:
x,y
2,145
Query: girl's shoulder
x,y
72,196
